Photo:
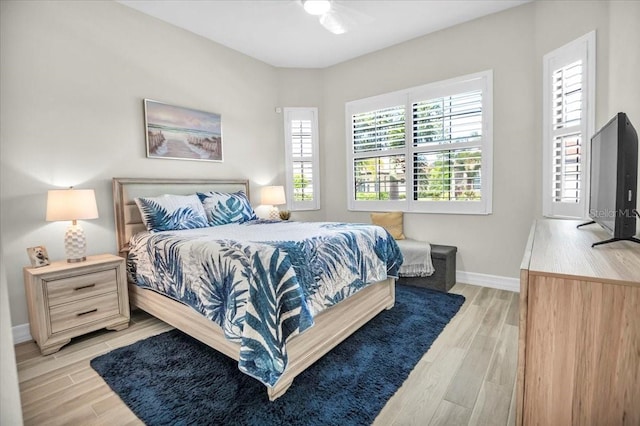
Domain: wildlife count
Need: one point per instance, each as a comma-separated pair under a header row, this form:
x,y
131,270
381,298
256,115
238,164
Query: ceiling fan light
x,y
316,7
332,24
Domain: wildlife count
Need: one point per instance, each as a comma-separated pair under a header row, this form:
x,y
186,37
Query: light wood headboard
x,y
126,190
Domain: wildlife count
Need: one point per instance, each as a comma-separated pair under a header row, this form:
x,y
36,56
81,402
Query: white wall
x,y
511,43
503,43
624,66
304,88
618,51
10,409
74,75
624,55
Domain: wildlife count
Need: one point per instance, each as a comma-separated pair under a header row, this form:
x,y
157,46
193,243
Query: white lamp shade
x,y
273,195
71,204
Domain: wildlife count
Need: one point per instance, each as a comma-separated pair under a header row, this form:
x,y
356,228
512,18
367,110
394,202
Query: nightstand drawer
x,y
70,289
64,317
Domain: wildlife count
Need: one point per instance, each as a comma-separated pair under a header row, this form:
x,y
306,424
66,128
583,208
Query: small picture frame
x,y
38,256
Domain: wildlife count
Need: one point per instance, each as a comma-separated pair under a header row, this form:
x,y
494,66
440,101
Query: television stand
x,y
583,303
611,240
586,223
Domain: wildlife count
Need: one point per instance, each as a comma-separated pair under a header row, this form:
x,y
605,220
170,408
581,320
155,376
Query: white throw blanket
x,y
417,258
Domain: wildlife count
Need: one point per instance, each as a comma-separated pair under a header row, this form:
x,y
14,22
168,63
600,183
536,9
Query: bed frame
x,y
331,327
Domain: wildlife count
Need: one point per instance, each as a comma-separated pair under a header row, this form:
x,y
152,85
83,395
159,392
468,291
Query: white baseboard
x,y
493,281
21,333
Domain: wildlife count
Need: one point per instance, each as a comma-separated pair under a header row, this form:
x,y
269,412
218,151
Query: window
x,y
424,149
302,169
568,123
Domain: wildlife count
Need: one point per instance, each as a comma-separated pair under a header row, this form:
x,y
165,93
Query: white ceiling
x,y
281,33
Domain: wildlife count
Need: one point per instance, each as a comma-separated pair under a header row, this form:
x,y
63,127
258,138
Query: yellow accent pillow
x,y
392,222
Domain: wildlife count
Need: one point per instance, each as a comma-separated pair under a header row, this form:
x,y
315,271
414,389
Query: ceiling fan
x,y
334,16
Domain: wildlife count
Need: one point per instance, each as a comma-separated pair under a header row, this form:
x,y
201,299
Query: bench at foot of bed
x,y
444,263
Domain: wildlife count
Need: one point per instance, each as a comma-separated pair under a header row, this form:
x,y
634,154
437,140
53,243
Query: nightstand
x,y
71,299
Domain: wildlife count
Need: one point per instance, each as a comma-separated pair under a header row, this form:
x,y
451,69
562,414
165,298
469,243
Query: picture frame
x,y
180,133
38,256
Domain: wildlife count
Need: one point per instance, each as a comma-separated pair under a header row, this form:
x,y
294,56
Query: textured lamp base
x,y
274,213
75,244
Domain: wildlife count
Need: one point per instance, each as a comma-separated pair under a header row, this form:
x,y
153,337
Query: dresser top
x,y
558,248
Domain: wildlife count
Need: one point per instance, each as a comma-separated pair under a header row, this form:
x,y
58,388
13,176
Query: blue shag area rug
x,y
173,379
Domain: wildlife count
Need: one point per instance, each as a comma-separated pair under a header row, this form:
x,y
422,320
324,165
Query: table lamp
x,y
72,204
272,196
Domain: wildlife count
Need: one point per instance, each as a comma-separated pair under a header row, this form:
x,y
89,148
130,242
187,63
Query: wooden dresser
x,y
579,343
67,300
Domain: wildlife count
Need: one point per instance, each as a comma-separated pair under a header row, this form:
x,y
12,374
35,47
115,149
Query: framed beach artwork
x,y
174,132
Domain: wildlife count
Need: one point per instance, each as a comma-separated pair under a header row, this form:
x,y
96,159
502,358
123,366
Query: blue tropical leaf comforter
x,y
263,282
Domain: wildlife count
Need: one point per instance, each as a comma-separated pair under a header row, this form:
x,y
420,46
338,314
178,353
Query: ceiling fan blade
x,y
334,23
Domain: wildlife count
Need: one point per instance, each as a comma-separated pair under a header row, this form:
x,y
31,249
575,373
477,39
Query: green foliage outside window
x,y
300,183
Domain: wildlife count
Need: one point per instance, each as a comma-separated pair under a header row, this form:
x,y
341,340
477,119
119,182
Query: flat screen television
x,y
614,179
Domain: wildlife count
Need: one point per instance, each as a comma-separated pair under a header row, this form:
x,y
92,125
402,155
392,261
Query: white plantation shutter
x,y
456,175
568,123
566,104
448,134
301,148
378,174
379,178
449,119
424,149
379,130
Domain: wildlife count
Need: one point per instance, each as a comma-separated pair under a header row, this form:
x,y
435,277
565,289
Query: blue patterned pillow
x,y
222,208
172,212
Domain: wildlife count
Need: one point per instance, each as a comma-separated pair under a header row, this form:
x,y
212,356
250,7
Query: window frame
x,y
478,81
583,48
301,113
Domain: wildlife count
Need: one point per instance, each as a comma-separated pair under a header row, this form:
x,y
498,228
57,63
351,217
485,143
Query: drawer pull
x,y
84,286
87,312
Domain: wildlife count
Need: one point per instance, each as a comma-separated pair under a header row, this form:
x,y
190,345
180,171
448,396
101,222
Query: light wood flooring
x,y
467,377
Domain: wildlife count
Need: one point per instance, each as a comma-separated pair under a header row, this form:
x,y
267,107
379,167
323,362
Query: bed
x,y
330,326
